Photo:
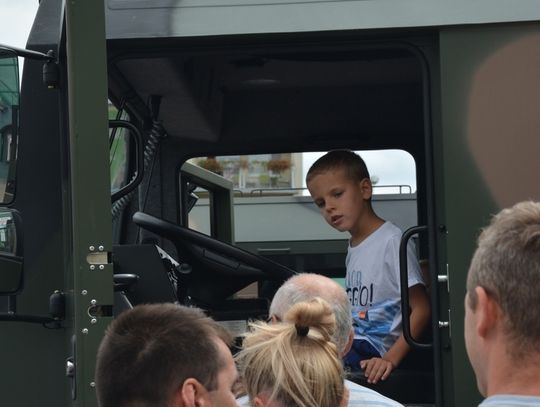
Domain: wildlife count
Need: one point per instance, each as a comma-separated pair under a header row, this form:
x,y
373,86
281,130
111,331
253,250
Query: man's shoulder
x,y
510,400
358,396
363,396
243,401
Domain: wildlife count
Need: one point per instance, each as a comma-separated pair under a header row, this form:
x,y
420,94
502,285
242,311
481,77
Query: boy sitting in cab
x,y
340,186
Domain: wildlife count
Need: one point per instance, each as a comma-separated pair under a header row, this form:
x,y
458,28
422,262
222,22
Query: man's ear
x,y
259,402
348,346
487,312
191,394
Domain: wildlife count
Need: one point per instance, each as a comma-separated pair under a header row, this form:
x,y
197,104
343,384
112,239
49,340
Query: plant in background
x,y
264,180
277,166
211,164
243,163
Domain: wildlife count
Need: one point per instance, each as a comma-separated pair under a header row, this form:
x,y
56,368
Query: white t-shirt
x,y
373,286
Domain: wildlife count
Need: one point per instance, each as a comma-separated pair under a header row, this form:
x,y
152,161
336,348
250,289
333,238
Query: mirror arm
x,y
55,299
51,71
27,53
7,316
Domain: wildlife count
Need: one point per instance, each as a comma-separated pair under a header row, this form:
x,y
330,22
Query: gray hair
x,y
507,265
296,363
306,286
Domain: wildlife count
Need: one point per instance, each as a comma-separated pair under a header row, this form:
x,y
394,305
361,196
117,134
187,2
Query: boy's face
x,y
343,202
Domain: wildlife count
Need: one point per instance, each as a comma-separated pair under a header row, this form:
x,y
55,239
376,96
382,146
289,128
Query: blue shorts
x,y
360,350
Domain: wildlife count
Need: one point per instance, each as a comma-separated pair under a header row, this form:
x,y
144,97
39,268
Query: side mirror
x,y
116,139
9,116
11,256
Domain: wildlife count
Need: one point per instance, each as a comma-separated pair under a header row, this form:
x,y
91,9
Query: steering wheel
x,y
219,269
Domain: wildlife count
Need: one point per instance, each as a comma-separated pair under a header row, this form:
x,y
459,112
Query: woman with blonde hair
x,y
294,363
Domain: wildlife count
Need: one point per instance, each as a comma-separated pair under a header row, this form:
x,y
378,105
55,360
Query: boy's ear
x,y
366,187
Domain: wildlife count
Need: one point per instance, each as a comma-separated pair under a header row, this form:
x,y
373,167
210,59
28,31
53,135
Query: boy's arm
x,y
376,369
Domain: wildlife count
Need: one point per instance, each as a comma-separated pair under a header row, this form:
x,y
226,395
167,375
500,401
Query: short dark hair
x,y
354,166
150,350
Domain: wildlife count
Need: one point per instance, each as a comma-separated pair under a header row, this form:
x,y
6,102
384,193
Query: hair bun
x,y
301,330
315,314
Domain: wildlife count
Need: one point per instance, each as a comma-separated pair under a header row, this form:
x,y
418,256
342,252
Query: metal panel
x,y
26,346
91,207
491,94
181,18
297,218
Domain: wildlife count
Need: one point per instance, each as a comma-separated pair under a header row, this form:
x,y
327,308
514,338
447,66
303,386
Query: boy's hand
x,y
376,369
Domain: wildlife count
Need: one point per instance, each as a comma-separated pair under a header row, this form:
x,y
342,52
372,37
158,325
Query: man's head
x,y
164,355
502,301
305,287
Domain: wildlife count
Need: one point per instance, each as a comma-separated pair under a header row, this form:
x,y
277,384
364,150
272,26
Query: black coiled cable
x,y
157,133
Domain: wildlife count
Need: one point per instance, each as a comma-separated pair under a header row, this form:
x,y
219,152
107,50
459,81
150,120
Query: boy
x,y
340,186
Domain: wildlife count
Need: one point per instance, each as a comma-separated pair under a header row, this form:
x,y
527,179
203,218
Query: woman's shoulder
x,y
363,396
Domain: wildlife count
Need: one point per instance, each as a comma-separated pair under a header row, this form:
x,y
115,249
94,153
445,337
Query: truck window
x,y
9,108
265,182
274,214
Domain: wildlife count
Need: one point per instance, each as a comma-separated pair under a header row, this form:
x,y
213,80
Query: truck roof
x,y
186,18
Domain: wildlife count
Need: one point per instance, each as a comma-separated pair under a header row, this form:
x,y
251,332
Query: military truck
x,y
89,198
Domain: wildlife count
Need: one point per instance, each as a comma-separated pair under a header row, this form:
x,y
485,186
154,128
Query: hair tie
x,y
301,330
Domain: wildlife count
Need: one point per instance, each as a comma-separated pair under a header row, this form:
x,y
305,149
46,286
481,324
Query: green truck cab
x,y
454,84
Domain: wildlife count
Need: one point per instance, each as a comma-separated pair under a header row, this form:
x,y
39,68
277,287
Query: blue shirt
x,y
510,400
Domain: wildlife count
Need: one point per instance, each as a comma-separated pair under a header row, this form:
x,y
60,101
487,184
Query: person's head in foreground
x,y
306,286
294,363
165,355
502,308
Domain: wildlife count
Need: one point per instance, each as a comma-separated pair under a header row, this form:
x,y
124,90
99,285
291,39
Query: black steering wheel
x,y
219,269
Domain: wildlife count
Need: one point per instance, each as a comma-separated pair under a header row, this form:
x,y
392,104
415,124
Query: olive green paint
x,y
467,198
442,313
221,199
469,202
90,205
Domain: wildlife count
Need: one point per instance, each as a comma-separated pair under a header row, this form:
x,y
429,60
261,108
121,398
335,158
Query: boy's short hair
x,y
150,350
507,265
354,166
